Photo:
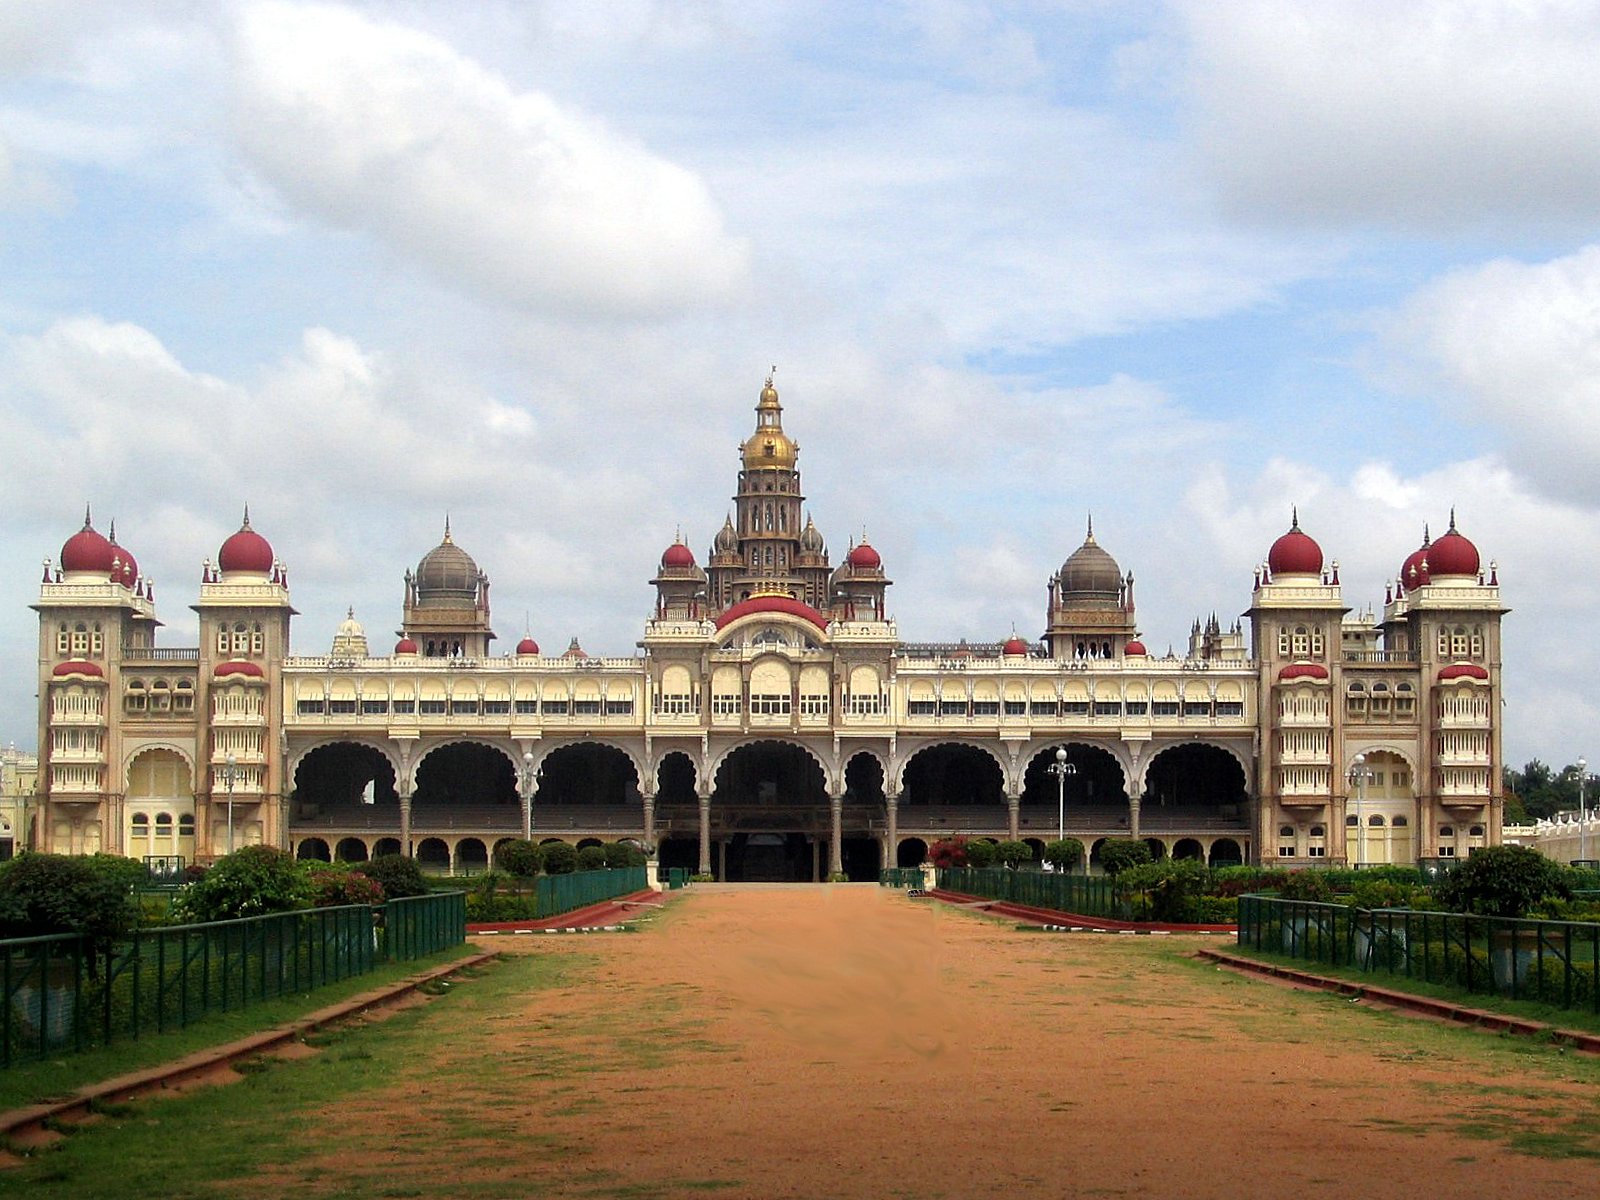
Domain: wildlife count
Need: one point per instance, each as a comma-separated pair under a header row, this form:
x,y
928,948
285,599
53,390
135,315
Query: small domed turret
x,y
769,447
246,552
1295,553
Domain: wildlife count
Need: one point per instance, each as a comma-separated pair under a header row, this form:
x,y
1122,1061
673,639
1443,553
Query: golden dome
x,y
769,448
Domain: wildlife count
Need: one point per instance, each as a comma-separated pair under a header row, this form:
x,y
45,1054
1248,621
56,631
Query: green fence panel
x,y
563,893
59,996
1086,895
1553,962
902,877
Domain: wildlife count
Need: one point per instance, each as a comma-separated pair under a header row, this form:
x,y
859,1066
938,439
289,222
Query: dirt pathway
x,y
818,1042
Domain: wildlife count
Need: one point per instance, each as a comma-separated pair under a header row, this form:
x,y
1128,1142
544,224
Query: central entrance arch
x,y
770,814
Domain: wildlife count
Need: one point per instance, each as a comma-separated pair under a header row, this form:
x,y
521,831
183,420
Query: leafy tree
x,y
982,853
1172,887
1118,854
247,883
1541,792
396,874
1503,881
56,893
591,858
1014,853
559,858
1064,853
521,858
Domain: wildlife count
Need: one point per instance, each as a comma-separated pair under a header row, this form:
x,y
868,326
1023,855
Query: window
x,y
1075,708
374,708
1405,700
431,708
1164,708
1286,831
80,639
1016,708
1230,708
1376,821
926,708
1475,831
1400,822
1286,851
342,707
724,705
814,706
223,641
1137,708
586,708
986,708
405,706
526,708
257,641
675,703
186,825
463,708
134,699
97,641
866,705
554,708
1196,708
310,707
1355,700
160,696
952,708
1352,821
497,708
620,708
183,696
241,639
1044,708
63,640
1447,851
1447,831
770,705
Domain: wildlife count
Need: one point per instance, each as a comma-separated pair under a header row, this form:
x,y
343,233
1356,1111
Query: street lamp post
x,y
1583,815
230,768
1359,774
1061,768
527,777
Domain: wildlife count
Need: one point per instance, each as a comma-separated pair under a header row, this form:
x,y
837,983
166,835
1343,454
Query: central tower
x,y
766,548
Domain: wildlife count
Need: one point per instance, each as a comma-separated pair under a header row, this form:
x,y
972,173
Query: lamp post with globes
x,y
1061,768
1583,815
230,770
1359,774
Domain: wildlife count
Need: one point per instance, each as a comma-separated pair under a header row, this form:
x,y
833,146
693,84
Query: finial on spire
x,y
447,528
1452,518
88,522
350,613
1088,537
1294,518
112,536
1427,539
246,524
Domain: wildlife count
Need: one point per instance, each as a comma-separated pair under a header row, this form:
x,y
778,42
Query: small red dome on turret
x,y
527,646
677,555
405,646
1135,649
1015,647
246,551
1295,553
126,568
1452,554
864,556
87,551
1414,571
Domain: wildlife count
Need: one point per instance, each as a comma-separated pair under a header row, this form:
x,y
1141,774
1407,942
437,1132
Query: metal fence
x,y
1087,895
1553,962
903,877
61,993
563,893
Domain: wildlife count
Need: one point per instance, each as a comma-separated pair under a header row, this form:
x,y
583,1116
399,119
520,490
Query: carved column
x,y
1133,816
649,799
405,817
836,849
1013,816
705,835
892,807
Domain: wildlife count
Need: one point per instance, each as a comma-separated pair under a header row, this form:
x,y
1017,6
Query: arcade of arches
x,y
769,814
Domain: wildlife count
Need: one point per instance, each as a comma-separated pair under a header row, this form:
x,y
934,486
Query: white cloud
x,y
1417,114
1516,346
371,126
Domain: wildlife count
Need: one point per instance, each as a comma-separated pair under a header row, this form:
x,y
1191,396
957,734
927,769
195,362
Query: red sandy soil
x,y
849,1041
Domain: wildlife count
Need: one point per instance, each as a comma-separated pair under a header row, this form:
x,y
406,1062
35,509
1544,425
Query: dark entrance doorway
x,y
769,858
769,813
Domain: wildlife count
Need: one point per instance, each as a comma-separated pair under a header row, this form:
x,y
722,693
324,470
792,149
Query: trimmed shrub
x,y
57,893
1064,853
521,858
982,853
1172,888
247,883
1014,853
1118,854
1502,881
559,858
397,875
1307,885
949,852
624,854
330,885
592,858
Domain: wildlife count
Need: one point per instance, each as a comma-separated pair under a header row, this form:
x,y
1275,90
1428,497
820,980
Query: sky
x,y
1186,266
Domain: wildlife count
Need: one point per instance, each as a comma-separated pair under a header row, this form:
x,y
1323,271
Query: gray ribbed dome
x,y
447,576
727,541
811,538
1091,574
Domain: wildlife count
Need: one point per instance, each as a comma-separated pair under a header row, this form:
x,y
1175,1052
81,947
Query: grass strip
x,y
53,1078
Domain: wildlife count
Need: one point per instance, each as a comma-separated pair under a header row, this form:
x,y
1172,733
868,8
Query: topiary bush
x,y
624,854
397,875
1171,888
559,858
591,858
57,893
521,858
1118,854
1502,881
247,883
1014,853
1064,853
982,853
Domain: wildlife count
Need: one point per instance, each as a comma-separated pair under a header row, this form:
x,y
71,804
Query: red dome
x,y
777,604
1303,671
1014,647
526,646
127,566
405,646
1452,554
1462,671
238,667
87,551
1135,649
78,666
1414,571
864,556
1295,553
246,551
677,555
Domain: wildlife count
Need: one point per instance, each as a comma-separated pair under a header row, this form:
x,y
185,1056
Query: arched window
x,y
1400,822
1286,831
241,638
80,638
63,639
257,639
1318,831
1352,821
1376,821
1447,831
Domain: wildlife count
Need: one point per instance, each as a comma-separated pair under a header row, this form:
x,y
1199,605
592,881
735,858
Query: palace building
x,y
773,725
